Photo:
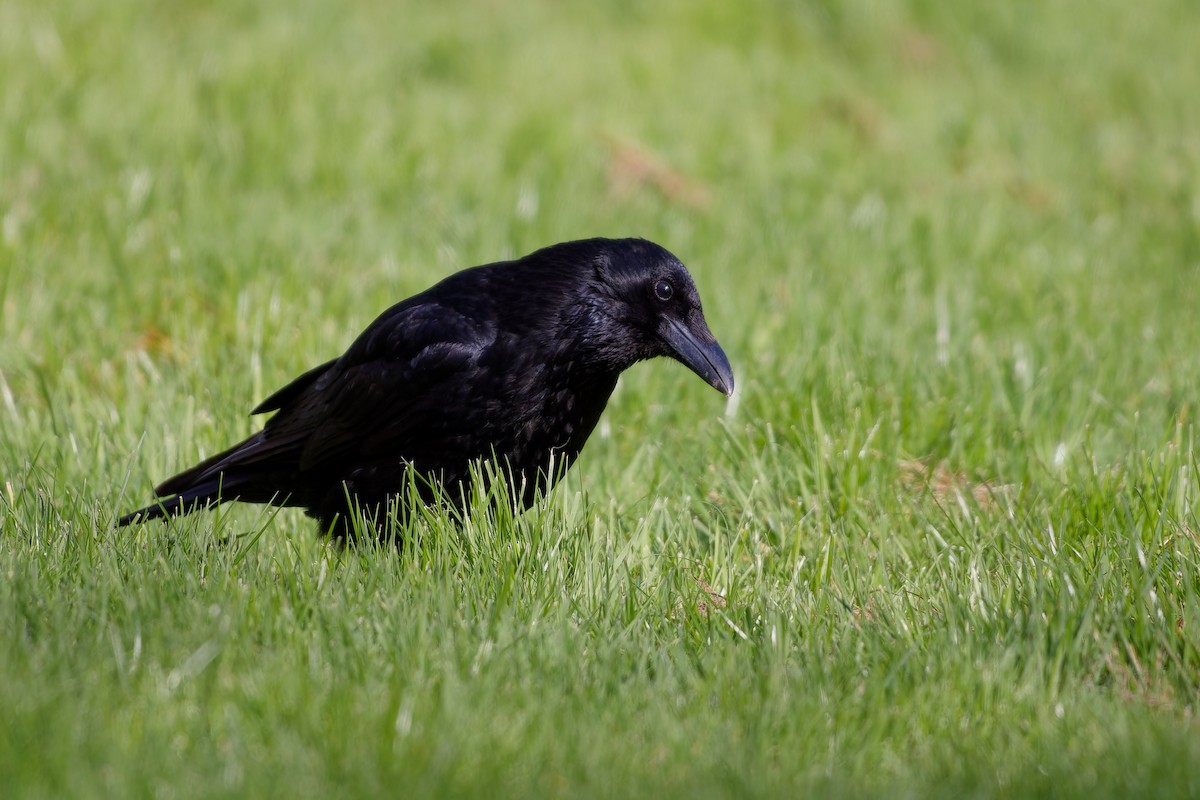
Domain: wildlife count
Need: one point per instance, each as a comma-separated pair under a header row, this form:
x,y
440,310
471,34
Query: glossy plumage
x,y
514,360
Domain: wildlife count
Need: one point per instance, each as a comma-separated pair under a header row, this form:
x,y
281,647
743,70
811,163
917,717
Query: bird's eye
x,y
663,291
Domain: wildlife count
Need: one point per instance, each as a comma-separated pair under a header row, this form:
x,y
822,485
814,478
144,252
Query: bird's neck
x,y
598,346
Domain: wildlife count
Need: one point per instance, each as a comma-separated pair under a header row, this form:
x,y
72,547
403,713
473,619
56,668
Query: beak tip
x,y
700,352
723,381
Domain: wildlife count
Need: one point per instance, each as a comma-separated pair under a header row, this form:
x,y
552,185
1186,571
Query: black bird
x,y
513,360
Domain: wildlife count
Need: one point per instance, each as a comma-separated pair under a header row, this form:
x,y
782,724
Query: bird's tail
x,y
195,498
233,474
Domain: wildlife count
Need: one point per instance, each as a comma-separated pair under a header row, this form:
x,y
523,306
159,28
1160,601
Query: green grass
x,y
946,544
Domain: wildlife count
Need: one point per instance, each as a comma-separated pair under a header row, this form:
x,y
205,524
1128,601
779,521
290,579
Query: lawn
x,y
944,542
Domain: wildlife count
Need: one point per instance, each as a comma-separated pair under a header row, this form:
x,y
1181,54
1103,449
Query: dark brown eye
x,y
663,291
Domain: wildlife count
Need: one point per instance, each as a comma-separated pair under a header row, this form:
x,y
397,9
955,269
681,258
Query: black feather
x,y
514,360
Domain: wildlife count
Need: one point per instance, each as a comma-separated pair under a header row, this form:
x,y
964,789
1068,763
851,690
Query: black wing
x,y
410,366
293,390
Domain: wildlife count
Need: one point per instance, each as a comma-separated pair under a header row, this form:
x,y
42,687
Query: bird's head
x,y
652,308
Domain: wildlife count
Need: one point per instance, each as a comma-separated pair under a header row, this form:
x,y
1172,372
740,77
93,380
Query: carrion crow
x,y
513,361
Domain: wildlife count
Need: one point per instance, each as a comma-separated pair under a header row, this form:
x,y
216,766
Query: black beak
x,y
697,348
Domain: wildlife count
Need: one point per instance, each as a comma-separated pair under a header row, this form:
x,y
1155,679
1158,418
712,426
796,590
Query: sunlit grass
x,y
944,543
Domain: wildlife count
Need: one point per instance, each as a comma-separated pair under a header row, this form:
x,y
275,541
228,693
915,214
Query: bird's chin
x,y
700,353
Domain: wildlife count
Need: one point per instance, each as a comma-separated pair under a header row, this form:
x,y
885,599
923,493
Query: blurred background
x,y
872,187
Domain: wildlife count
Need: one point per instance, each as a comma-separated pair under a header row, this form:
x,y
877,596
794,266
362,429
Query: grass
x,y
944,544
